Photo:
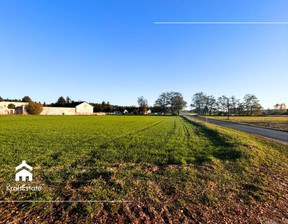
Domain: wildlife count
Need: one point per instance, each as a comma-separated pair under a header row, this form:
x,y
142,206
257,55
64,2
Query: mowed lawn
x,y
273,122
173,169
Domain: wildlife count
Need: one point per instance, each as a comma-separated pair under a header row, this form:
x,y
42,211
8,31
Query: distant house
x,y
117,112
125,112
148,111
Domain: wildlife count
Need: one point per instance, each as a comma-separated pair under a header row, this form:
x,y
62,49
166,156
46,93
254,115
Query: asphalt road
x,y
269,133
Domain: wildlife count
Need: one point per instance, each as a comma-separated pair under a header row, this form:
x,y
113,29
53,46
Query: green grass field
x,y
174,169
273,122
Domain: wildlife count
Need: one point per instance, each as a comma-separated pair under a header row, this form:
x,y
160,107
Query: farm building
x,y
4,110
75,108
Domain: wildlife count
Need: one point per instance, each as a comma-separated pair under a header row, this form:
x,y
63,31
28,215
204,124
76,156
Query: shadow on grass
x,y
83,178
221,149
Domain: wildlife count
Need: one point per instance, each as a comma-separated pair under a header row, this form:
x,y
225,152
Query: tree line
x,y
24,99
167,103
204,104
170,103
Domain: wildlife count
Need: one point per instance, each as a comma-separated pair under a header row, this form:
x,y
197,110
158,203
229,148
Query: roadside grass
x,y
273,122
175,169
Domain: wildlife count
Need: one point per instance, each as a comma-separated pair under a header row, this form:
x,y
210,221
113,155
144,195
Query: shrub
x,y
11,106
34,108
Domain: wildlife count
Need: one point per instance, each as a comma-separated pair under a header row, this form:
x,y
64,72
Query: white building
x,y
74,108
4,110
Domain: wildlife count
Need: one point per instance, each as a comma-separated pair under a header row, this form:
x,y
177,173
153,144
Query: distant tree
x,y
103,106
199,101
1,99
204,104
26,99
227,104
240,110
280,108
163,102
108,108
61,101
11,106
44,104
252,104
170,101
143,104
68,100
177,102
97,107
34,108
210,104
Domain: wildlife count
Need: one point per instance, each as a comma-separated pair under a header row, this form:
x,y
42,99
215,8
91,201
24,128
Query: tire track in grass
x,y
186,131
123,136
138,131
106,144
192,127
171,132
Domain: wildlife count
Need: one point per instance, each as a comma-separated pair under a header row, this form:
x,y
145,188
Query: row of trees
x,y
24,99
108,108
172,103
168,102
280,108
209,105
61,102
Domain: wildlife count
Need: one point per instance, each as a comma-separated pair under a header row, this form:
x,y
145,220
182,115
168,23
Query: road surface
x,y
268,133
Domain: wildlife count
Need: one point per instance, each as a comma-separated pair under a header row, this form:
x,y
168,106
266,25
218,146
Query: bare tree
x,y
143,104
227,104
252,104
210,104
280,108
199,101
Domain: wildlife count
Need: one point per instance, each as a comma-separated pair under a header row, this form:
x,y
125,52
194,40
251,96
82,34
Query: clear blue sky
x,y
111,50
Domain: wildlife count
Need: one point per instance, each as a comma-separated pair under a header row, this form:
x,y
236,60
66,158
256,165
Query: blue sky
x,y
111,50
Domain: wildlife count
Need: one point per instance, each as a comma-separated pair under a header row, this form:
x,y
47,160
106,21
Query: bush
x,y
11,106
34,108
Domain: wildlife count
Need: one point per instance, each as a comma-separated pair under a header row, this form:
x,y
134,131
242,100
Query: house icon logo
x,y
23,173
